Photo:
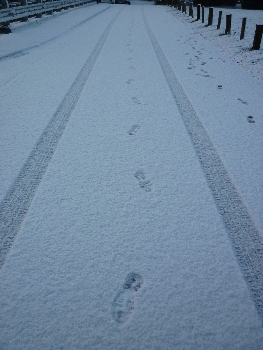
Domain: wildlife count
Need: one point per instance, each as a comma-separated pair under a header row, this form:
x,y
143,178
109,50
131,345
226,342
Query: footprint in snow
x,y
191,65
204,75
130,81
134,129
250,119
144,183
124,302
136,100
242,101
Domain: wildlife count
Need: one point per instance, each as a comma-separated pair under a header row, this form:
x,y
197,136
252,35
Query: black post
x,y
203,14
179,5
257,37
219,20
228,24
198,11
242,34
210,16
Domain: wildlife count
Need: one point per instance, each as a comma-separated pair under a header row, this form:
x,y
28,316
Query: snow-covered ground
x,y
238,50
131,182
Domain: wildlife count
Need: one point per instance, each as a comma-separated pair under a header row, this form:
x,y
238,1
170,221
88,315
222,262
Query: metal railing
x,y
11,11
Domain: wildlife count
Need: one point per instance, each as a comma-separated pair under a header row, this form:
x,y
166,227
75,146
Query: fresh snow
x,y
123,246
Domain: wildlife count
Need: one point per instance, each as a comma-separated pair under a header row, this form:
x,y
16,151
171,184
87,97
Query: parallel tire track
x,y
16,204
246,240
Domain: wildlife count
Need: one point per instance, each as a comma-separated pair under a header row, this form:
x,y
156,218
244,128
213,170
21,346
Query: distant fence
x,y
13,10
182,5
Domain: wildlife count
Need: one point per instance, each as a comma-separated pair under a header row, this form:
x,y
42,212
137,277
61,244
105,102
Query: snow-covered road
x,y
131,186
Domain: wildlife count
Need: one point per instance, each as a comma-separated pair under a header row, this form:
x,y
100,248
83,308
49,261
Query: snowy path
x,y
123,246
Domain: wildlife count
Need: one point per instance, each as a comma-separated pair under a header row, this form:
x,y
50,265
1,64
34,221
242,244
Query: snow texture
x,y
131,182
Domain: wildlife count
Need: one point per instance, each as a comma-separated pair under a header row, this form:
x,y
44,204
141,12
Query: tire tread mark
x,y
16,204
246,241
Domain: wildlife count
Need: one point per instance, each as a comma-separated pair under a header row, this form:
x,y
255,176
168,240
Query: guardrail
x,y
22,10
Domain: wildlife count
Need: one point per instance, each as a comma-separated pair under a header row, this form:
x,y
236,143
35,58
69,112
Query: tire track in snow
x,y
245,238
17,202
